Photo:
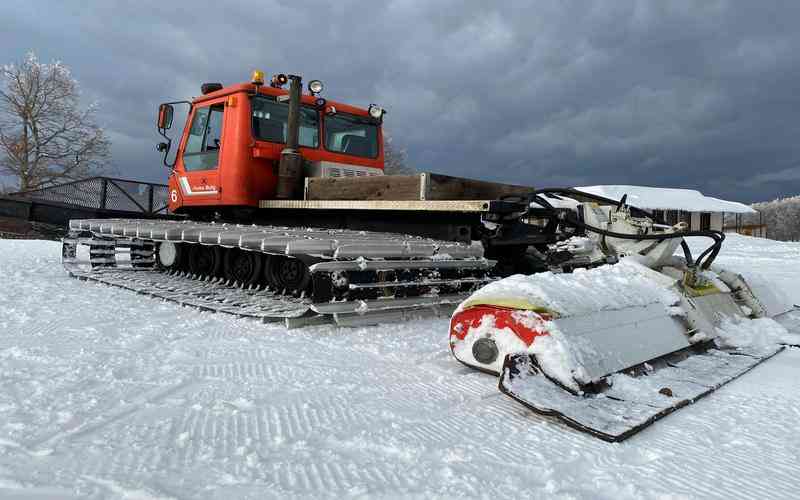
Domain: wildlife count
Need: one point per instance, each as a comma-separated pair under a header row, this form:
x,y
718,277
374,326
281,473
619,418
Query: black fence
x,y
105,193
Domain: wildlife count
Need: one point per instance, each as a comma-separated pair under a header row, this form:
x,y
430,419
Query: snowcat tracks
x,y
212,295
607,415
358,277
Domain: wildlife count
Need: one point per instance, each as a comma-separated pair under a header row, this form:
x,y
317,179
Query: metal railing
x,y
105,193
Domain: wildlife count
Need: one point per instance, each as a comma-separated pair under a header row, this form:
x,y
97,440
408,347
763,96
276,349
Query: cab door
x,y
199,181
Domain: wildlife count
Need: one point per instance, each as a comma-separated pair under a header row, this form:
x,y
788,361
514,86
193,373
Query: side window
x,y
270,121
352,135
205,139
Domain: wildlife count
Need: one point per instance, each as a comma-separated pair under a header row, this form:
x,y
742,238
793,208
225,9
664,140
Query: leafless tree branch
x,y
45,136
395,159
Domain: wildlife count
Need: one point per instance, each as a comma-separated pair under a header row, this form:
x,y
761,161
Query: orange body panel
x,y
247,169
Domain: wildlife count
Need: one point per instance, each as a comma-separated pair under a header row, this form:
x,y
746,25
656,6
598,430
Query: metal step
x,y
426,283
393,315
387,265
365,306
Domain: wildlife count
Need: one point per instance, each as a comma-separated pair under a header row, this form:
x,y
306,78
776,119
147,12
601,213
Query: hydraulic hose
x,y
704,261
687,253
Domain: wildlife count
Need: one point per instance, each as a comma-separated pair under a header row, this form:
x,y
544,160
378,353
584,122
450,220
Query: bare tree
x,y
782,217
45,137
395,160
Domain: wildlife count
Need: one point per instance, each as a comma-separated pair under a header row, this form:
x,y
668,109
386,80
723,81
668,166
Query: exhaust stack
x,y
290,167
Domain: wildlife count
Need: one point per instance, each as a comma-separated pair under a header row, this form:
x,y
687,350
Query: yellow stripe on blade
x,y
509,303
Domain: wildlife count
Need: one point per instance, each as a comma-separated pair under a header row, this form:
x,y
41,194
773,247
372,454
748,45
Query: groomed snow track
x,y
106,394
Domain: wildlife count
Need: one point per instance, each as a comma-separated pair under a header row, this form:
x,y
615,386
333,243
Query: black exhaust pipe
x,y
290,167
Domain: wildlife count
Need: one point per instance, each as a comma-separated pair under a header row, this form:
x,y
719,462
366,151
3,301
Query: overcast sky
x,y
696,94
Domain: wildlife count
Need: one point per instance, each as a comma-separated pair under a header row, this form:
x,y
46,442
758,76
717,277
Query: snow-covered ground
x,y
106,394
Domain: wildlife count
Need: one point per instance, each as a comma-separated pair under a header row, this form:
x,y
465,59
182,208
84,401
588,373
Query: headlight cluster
x,y
315,87
376,112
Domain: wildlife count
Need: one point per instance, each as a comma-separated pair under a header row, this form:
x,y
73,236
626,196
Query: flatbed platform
x,y
467,206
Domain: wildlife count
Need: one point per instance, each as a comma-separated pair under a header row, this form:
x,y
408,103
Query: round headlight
x,y
375,111
315,86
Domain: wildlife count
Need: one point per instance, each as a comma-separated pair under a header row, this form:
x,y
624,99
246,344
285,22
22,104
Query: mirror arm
x,y
166,150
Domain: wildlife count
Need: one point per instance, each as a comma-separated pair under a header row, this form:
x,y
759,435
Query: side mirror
x,y
165,114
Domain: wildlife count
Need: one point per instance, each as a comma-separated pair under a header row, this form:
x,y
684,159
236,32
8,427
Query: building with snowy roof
x,y
686,205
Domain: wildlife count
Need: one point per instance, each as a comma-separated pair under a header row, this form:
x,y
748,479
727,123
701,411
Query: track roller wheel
x,y
170,255
242,266
287,274
205,260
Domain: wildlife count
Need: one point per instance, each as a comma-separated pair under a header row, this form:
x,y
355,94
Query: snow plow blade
x,y
610,350
618,413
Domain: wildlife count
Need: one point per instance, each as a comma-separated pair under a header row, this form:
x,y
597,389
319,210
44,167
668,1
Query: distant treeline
x,y
782,217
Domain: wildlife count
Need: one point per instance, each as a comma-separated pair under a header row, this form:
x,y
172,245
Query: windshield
x,y
352,135
270,119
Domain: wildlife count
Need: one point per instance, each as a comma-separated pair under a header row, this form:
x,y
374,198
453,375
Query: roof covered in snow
x,y
667,199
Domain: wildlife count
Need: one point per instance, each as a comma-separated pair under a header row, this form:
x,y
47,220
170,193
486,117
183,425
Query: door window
x,y
205,139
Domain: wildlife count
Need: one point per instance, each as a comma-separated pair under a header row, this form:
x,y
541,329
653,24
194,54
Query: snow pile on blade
x,y
583,291
757,333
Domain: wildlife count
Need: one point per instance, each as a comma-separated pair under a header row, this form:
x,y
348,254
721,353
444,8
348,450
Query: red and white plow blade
x,y
610,350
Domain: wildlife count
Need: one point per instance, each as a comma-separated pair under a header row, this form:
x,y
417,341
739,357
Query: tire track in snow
x,y
305,478
215,433
737,450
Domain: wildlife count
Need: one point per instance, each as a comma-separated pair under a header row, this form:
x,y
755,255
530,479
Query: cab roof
x,y
273,91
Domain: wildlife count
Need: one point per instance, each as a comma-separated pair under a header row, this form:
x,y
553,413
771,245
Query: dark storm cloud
x,y
684,94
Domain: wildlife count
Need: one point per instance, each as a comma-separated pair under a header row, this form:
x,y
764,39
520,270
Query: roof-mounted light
x,y
257,78
208,88
279,80
376,112
315,87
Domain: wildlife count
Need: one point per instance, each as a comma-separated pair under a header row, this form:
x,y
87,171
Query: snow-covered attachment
x,y
631,334
610,350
